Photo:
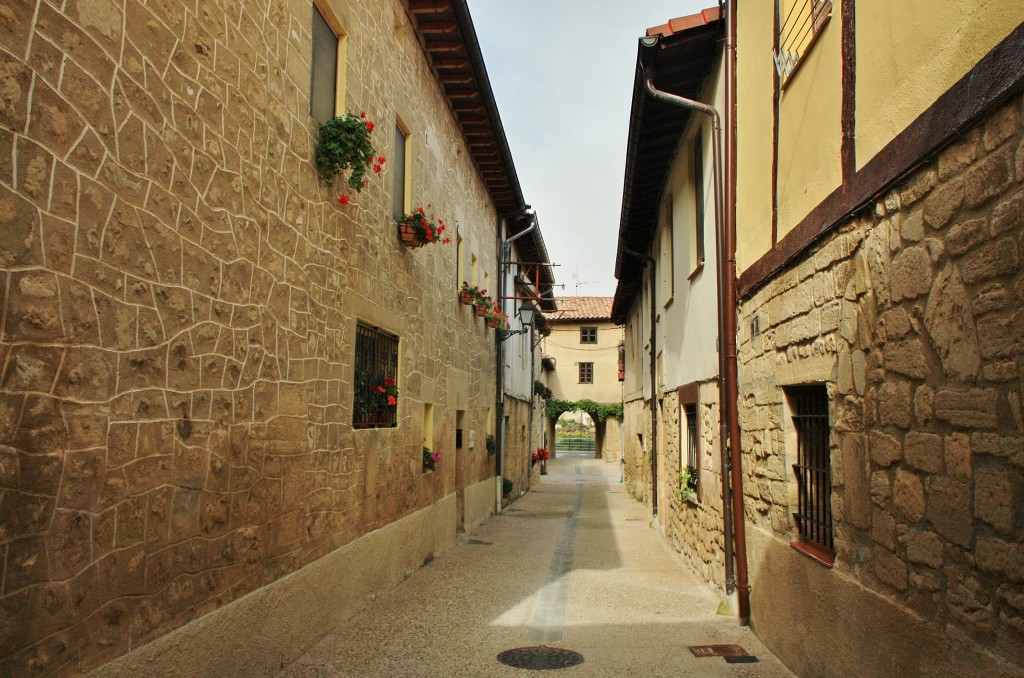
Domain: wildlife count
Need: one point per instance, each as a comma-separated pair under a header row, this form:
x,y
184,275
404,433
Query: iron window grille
x,y
586,373
588,335
691,445
376,370
813,469
800,23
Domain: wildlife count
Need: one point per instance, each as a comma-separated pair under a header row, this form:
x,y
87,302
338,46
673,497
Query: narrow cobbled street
x,y
573,564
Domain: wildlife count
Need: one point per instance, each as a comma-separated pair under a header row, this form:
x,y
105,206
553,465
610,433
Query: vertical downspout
x,y
723,436
504,250
729,305
732,490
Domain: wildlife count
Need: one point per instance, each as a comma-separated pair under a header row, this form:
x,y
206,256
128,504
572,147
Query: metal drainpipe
x,y
732,491
504,248
654,378
729,304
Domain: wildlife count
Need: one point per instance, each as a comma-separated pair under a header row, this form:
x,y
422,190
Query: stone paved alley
x,y
626,603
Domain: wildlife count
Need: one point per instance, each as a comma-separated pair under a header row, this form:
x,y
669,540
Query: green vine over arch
x,y
555,408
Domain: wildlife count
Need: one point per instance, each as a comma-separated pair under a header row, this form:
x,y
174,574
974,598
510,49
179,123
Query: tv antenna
x,y
577,282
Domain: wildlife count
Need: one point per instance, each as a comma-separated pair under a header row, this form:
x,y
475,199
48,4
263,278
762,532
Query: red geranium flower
x,y
343,199
362,114
446,241
391,400
376,169
380,389
389,381
369,125
381,160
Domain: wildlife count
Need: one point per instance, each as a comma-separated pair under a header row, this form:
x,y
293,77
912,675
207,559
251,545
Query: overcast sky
x,y
562,74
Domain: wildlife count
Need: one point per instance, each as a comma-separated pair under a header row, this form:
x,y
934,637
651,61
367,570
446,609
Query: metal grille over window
x,y
691,444
800,24
813,468
375,395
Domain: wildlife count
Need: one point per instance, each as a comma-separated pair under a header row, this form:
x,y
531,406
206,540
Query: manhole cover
x,y
540,658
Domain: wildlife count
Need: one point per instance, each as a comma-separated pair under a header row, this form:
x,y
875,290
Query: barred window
x,y
588,335
586,373
375,386
691,445
809,406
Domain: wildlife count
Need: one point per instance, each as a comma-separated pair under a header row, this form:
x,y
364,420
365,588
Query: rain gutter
x,y
729,440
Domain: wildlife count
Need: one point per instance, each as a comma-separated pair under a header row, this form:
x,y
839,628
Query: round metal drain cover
x,y
540,658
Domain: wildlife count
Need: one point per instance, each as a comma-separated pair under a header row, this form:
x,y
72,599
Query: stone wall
x,y
518,446
180,300
637,421
911,314
694,527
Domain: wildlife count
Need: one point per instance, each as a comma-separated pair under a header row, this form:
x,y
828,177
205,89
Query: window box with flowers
x,y
343,144
483,305
415,230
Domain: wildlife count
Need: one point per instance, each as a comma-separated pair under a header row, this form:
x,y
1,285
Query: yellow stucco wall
x,y
564,346
754,69
810,129
911,51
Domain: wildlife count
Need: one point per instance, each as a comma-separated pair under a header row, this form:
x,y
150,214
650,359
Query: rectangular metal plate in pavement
x,y
718,651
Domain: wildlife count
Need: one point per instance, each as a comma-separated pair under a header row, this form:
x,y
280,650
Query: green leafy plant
x,y
343,143
375,398
687,482
492,444
507,486
430,459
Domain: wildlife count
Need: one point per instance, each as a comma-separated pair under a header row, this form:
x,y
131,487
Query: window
x,y
588,335
692,458
698,199
809,408
400,181
375,390
586,373
800,23
328,67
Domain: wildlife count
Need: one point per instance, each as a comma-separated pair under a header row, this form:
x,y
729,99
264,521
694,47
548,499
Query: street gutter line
x,y
549,616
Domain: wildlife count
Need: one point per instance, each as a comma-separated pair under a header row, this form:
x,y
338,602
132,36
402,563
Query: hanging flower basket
x,y
492,321
416,230
409,237
481,311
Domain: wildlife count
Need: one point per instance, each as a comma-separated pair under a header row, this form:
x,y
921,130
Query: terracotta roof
x,y
684,23
583,308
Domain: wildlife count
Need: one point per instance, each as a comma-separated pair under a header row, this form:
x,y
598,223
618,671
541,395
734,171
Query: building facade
x,y
196,470
583,348
879,271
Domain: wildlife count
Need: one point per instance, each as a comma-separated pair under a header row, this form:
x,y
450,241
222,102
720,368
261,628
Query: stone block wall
x,y
180,299
911,315
637,421
694,528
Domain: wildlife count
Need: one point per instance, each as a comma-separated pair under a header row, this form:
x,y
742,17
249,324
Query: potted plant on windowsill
x,y
416,230
430,459
375,403
343,144
687,485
